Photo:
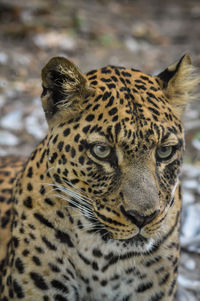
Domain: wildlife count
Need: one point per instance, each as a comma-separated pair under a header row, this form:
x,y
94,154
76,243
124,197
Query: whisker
x,y
79,201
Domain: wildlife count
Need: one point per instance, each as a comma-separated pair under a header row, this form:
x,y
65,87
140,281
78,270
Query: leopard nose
x,y
138,219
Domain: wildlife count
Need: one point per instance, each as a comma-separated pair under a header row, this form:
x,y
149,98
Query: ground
x,y
147,35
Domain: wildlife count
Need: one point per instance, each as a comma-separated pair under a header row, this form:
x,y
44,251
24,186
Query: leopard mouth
x,y
137,240
138,243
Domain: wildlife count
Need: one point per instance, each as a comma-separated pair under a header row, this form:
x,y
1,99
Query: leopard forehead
x,y
125,100
126,93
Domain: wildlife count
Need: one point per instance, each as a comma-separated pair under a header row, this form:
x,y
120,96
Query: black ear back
x,y
179,82
170,72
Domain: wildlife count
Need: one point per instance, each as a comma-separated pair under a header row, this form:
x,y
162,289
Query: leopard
x,y
94,213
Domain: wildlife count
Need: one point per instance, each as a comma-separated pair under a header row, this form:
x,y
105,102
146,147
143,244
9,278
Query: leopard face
x,y
115,147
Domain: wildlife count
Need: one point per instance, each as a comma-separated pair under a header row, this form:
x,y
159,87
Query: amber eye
x,y
164,152
101,150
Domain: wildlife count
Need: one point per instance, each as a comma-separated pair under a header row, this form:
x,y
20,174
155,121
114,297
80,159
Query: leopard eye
x,y
102,151
164,152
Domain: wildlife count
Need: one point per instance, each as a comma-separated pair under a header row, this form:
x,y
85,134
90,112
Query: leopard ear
x,y
64,88
179,82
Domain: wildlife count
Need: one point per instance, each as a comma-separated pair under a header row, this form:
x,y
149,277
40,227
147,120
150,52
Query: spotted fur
x,y
95,210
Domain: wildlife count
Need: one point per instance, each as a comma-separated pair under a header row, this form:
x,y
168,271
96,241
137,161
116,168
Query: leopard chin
x,y
135,242
139,243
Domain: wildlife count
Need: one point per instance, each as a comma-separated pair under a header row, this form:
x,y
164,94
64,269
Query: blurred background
x,y
147,35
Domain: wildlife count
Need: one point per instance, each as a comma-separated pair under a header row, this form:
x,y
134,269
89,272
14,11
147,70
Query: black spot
x,y
164,279
95,278
97,253
38,281
49,201
59,286
21,230
36,260
98,97
66,132
42,190
105,80
110,103
104,283
49,244
111,86
43,220
117,130
94,83
172,286
2,199
19,265
140,87
60,145
96,107
53,157
157,297
79,224
91,72
55,139
29,186
64,237
64,160
65,172
32,236
60,298
30,172
74,181
73,152
105,70
86,261
106,95
156,112
92,77
5,219
86,129
67,148
18,290
81,160
57,178
25,252
90,117
23,216
39,250
11,294
54,268
152,261
77,137
112,111
95,266
143,287
42,157
100,116
15,241
60,214
126,74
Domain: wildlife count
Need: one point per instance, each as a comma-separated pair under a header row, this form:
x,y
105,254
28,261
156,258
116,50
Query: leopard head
x,y
115,144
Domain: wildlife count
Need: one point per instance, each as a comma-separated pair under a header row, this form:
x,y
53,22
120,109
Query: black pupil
x,y
163,149
101,148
